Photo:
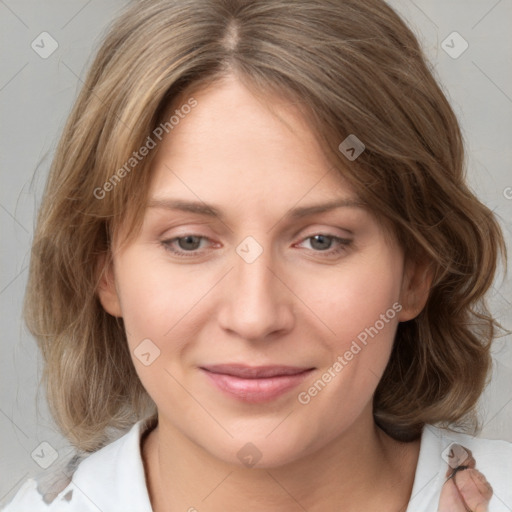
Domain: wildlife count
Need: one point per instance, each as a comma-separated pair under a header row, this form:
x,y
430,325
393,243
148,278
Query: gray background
x,y
36,95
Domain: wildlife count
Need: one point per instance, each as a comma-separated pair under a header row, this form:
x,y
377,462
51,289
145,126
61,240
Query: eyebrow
x,y
212,211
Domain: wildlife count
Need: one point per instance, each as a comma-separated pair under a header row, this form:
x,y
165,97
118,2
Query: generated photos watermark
x,y
137,156
304,397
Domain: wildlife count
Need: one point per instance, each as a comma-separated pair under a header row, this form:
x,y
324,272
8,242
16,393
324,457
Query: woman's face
x,y
253,272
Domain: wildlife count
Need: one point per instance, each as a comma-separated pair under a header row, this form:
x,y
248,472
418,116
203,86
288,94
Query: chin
x,y
259,451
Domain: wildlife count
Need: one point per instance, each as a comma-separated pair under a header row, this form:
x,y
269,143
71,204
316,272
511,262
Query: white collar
x,y
113,478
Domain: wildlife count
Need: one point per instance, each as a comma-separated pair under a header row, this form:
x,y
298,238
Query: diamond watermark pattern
x,y
249,249
454,455
44,45
45,455
146,352
351,147
249,455
454,45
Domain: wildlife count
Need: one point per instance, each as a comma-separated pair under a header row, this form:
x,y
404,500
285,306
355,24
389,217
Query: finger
x,y
474,489
450,499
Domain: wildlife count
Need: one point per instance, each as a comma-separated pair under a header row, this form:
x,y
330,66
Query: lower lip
x,y
256,390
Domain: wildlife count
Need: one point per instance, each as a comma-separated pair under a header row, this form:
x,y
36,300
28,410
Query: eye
x,y
182,245
322,242
190,245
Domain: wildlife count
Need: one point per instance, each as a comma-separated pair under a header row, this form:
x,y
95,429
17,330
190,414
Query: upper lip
x,y
254,372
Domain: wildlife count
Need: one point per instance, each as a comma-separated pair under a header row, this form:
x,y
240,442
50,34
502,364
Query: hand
x,y
466,489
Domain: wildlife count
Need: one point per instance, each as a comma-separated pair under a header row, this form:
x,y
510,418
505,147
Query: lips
x,y
254,372
255,384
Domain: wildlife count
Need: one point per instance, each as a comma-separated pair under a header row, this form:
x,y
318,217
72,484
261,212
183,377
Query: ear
x,y
106,290
416,284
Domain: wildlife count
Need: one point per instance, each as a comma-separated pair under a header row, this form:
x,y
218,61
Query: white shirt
x,y
112,479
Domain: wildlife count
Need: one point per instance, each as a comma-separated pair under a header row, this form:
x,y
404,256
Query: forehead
x,y
238,148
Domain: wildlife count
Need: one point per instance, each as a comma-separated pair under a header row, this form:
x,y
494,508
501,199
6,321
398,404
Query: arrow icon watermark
x,y
351,147
146,352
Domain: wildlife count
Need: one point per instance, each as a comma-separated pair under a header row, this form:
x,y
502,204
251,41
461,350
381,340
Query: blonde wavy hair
x,y
353,67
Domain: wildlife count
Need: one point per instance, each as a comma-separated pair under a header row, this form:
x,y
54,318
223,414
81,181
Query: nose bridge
x,y
257,303
252,275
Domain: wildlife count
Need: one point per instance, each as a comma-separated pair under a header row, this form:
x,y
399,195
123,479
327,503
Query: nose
x,y
257,304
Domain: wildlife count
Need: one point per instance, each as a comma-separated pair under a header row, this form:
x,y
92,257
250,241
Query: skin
x,y
466,489
294,305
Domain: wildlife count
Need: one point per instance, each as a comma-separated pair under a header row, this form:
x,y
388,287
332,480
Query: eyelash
x,y
344,244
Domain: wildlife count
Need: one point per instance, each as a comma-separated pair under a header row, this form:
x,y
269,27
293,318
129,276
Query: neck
x,y
363,469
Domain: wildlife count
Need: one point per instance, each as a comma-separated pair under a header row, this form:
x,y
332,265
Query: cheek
x,y
153,300
360,304
352,298
155,303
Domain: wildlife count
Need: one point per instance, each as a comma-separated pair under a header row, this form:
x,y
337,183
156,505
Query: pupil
x,y
320,238
194,240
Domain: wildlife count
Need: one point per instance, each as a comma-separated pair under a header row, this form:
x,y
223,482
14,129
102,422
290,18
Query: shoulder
x,y
110,479
439,451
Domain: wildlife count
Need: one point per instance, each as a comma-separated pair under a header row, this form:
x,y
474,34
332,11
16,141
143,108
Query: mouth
x,y
255,384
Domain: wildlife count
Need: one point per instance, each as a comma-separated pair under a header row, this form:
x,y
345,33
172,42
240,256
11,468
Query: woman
x,y
257,259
